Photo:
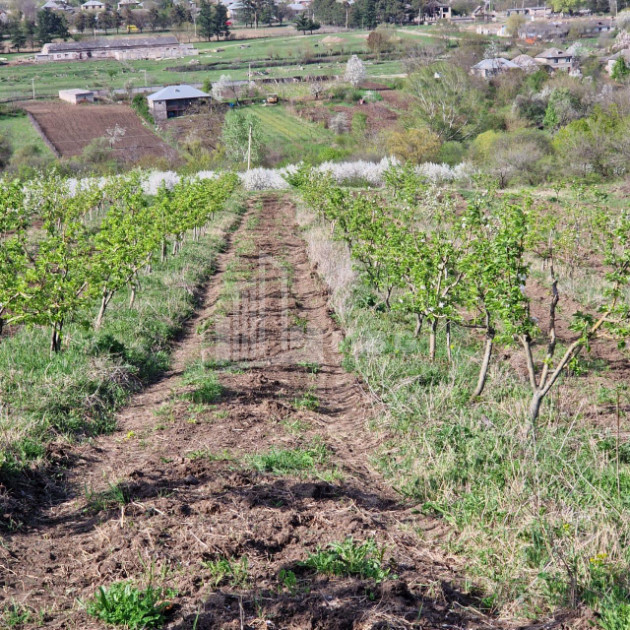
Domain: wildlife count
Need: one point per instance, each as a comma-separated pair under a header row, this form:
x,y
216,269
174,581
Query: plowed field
x,y
71,128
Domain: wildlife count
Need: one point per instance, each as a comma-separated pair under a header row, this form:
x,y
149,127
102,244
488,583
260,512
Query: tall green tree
x,y
206,20
17,35
220,19
51,25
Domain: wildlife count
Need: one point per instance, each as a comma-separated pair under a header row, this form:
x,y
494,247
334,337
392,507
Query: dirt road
x,y
254,449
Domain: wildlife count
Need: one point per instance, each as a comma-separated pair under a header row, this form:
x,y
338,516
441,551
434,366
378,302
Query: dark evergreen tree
x,y
302,23
17,34
206,20
50,25
221,26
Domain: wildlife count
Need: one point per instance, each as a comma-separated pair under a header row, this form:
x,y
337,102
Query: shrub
x,y
140,105
414,145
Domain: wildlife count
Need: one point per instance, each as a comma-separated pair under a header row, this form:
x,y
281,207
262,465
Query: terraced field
x,y
281,126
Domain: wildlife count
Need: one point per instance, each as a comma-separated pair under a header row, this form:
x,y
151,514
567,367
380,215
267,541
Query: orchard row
x,y
444,260
65,253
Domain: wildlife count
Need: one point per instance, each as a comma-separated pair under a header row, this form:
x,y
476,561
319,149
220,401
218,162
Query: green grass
x,y
76,392
16,616
206,388
124,604
351,558
311,367
15,82
290,138
539,526
287,461
232,571
116,495
20,132
308,400
282,126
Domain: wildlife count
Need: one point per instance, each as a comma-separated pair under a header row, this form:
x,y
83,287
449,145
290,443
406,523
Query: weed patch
x,y
229,571
206,388
308,401
282,462
116,495
123,604
15,615
351,558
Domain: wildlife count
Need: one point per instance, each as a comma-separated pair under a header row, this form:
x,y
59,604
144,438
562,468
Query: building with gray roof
x,y
173,101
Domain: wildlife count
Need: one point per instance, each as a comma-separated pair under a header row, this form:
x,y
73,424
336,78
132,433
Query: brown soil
x,y
71,128
379,116
193,497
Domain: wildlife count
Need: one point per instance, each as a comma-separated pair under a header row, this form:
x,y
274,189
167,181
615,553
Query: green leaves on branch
x,y
430,259
92,243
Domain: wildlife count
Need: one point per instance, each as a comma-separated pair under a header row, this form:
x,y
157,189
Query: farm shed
x,y
121,49
488,68
526,63
173,101
76,96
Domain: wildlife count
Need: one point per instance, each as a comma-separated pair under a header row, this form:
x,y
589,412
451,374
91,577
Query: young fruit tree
x,y
610,320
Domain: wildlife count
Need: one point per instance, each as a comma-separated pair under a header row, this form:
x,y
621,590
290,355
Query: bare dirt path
x,y
253,449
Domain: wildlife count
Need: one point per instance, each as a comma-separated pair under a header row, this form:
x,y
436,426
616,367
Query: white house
x,y
555,59
93,6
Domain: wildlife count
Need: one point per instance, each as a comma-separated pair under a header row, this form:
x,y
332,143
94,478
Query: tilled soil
x,y
188,493
69,129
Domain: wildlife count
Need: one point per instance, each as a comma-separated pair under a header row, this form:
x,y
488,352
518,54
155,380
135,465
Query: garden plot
x,y
70,129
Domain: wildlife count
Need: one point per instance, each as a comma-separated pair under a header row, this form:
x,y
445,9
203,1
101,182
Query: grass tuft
x,y
351,558
228,570
123,604
206,387
291,460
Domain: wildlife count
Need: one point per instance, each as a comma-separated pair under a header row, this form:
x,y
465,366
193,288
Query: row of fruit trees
x,y
444,262
65,252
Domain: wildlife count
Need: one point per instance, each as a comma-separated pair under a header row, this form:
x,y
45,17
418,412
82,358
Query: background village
x,y
162,79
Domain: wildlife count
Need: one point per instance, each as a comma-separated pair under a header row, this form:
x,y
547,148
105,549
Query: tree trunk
x,y
163,251
55,340
534,408
419,322
485,364
132,297
432,340
388,298
105,299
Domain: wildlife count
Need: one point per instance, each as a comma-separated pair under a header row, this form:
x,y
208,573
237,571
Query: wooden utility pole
x,y
249,148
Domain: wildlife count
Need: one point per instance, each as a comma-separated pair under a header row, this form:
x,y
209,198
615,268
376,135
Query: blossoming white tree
x,y
355,71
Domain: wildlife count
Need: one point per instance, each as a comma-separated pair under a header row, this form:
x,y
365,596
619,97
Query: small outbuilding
x,y
526,63
76,96
488,68
173,101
